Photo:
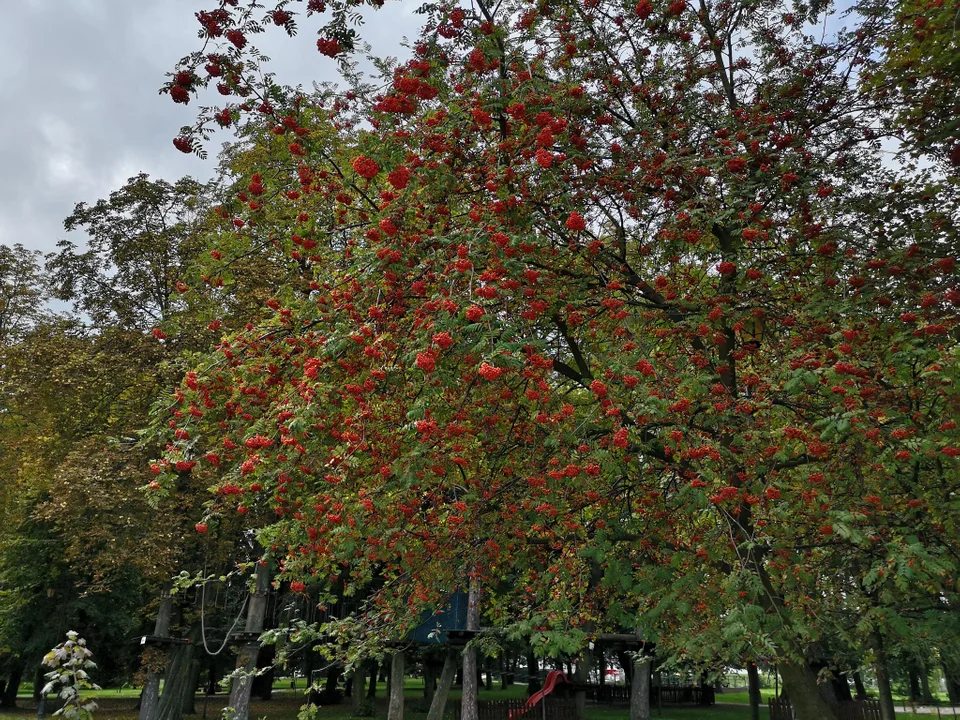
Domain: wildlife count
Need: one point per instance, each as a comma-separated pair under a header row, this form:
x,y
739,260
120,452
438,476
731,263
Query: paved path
x,y
945,711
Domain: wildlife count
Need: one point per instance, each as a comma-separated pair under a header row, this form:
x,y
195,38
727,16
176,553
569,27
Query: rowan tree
x,y
620,299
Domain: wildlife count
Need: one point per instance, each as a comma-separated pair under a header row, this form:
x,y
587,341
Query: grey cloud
x,y
81,113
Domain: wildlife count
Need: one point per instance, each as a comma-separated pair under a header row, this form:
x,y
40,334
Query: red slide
x,y
553,677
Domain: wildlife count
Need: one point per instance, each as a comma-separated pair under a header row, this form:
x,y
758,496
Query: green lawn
x,y
742,697
118,704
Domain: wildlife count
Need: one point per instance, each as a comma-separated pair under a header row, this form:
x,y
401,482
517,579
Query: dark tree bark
x,y
263,682
800,681
533,673
952,681
333,680
925,695
860,687
753,690
38,682
842,687
623,657
9,699
213,676
429,678
915,693
887,711
372,689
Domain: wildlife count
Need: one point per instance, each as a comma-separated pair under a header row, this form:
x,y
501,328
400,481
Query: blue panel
x,y
452,615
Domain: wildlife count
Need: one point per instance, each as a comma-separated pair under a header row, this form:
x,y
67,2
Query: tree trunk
x,y
914,683
263,682
247,657
887,711
753,690
623,657
439,705
533,673
860,687
176,683
211,686
640,689
333,680
395,707
952,681
372,689
38,681
656,682
190,697
469,710
150,697
925,695
801,684
8,699
359,685
582,677
429,678
842,686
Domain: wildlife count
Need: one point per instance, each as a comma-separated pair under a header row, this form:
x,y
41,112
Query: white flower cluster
x,y
70,661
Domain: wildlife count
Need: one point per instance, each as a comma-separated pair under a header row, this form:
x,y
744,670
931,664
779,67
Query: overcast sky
x,y
80,109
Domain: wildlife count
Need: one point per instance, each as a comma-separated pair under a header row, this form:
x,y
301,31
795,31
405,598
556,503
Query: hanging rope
x,y
203,628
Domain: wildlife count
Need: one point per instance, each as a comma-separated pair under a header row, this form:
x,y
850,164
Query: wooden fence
x,y
683,695
551,709
666,694
781,709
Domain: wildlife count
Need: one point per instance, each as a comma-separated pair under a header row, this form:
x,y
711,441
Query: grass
x,y
118,704
741,697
